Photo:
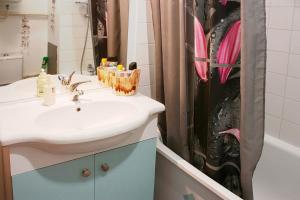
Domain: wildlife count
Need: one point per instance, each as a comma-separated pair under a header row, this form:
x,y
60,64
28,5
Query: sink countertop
x,y
34,123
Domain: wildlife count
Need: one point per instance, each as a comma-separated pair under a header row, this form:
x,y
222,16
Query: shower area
x,y
226,144
214,119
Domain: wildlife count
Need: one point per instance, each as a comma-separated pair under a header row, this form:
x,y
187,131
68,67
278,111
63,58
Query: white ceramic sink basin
x,y
99,120
87,116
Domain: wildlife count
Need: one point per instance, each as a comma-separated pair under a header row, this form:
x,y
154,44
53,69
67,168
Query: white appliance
x,y
11,68
9,1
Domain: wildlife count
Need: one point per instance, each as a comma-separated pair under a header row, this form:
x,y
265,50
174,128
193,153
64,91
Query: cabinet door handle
x,y
105,167
85,172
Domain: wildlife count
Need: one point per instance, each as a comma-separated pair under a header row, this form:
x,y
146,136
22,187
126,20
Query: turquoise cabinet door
x,y
59,182
126,173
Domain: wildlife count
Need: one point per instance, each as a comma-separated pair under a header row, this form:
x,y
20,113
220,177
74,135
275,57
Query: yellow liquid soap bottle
x,y
41,82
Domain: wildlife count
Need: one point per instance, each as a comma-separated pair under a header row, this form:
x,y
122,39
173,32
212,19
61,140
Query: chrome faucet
x,y
73,88
77,94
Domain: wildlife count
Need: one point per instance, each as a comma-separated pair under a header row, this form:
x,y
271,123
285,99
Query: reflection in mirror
x,y
110,30
53,34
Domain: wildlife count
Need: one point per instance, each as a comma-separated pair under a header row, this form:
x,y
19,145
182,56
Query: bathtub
x,y
273,179
277,176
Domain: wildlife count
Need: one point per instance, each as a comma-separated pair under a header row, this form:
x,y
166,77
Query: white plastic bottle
x,y
49,96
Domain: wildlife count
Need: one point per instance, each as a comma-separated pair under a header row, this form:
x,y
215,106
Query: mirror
x,y
63,36
110,30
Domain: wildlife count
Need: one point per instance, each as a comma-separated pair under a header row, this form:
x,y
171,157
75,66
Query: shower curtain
x,y
117,29
210,71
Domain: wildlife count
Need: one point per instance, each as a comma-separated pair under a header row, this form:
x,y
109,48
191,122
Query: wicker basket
x,y
124,85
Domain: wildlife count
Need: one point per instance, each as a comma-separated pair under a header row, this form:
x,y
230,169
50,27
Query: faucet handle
x,y
62,79
70,77
66,81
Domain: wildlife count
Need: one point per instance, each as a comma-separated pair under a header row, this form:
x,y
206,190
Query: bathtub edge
x,y
196,174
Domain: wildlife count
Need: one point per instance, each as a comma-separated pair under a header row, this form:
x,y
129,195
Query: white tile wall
x,y
283,70
295,42
72,30
279,40
144,45
296,19
31,6
280,17
275,83
277,62
294,69
273,125
274,105
290,132
281,2
69,35
10,37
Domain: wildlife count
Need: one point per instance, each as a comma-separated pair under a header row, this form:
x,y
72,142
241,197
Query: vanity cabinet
x,y
125,173
59,182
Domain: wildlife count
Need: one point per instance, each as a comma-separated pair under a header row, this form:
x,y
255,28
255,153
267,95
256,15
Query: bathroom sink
x,y
87,116
98,121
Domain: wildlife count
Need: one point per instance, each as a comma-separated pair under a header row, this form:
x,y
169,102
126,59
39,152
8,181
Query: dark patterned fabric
x,y
216,105
214,121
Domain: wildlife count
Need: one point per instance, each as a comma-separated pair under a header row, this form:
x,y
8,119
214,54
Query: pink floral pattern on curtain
x,y
229,50
200,50
223,2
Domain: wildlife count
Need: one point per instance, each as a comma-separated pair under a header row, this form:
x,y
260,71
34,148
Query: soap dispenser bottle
x,y
41,82
49,89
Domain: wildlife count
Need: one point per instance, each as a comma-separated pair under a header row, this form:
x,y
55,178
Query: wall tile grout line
x,y
285,83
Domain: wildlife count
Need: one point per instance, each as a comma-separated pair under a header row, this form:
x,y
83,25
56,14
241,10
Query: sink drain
x,y
78,109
